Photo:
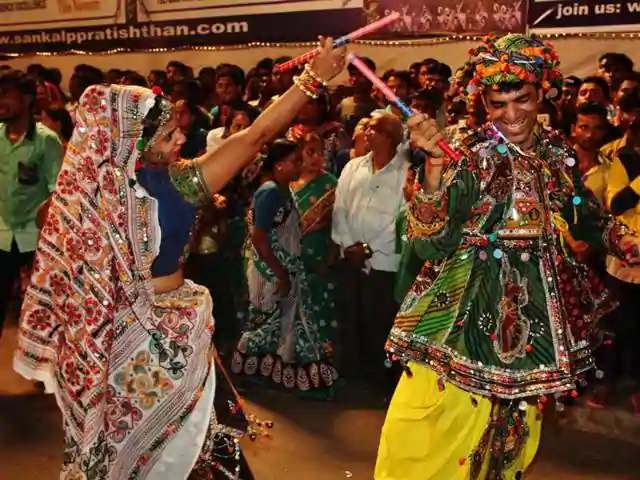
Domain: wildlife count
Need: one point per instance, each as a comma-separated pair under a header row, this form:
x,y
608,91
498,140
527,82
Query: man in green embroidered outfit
x,y
499,317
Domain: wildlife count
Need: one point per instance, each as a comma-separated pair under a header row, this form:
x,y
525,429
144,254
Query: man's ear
x,y
540,95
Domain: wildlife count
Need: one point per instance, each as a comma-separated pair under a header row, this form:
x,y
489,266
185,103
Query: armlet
x,y
186,177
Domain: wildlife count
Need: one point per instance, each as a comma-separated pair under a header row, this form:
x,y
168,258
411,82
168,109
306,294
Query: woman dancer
x,y
109,324
282,341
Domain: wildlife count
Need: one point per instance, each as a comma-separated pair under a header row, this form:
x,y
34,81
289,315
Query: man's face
x,y
514,113
360,83
398,87
590,92
12,104
432,80
264,78
569,95
173,75
589,131
226,90
282,81
375,135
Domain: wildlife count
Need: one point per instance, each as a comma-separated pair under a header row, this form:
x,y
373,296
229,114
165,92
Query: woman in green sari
x,y
281,342
314,193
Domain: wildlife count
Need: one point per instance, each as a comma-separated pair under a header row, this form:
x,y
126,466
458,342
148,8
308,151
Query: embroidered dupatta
x,y
90,301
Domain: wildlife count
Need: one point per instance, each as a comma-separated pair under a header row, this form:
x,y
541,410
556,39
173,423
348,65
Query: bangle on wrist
x,y
312,73
308,84
438,163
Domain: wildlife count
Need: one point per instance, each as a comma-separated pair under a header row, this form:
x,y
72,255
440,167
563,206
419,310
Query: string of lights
x,y
401,43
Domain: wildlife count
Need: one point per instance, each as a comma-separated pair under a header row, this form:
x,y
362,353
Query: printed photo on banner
x,y
425,17
16,15
550,16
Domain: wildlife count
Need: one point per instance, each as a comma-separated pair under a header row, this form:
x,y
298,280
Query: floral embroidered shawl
x,y
89,304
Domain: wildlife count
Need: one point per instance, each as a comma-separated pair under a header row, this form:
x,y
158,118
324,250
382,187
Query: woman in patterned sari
x,y
109,324
282,342
314,193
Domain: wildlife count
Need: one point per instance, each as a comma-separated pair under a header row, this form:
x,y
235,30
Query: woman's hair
x,y
154,118
192,108
160,75
58,113
278,151
324,106
134,78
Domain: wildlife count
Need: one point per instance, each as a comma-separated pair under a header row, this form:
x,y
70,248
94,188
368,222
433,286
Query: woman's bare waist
x,y
168,283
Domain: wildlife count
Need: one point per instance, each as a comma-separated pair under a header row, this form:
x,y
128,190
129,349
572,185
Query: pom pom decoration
x,y
515,58
141,144
157,90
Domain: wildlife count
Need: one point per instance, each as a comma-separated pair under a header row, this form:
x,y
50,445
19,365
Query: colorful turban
x,y
513,58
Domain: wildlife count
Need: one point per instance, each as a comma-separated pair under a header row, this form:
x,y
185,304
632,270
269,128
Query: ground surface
x,y
311,440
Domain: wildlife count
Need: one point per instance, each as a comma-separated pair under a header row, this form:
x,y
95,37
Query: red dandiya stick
x,y
392,97
361,32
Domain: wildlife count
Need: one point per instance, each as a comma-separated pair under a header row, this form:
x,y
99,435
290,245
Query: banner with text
x,y
571,16
447,17
19,15
158,24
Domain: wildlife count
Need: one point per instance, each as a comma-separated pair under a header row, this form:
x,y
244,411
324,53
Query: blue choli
x,y
175,215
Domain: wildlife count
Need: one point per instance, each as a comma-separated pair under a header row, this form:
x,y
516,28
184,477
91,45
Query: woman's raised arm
x,y
220,166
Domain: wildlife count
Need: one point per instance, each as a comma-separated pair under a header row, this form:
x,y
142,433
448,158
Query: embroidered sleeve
x,y
587,222
186,177
434,223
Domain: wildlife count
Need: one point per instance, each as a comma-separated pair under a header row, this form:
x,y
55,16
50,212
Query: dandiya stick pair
x,y
361,32
392,97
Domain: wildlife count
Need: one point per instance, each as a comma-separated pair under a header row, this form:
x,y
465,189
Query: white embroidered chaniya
x,y
132,371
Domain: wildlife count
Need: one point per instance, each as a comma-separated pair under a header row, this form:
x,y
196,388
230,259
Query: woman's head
x,y
58,119
313,159
315,111
186,113
134,78
47,94
283,161
238,120
161,133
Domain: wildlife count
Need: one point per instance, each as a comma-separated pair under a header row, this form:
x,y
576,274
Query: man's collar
x,y
29,133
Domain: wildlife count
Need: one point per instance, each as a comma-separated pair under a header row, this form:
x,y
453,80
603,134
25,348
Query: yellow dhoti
x,y
431,434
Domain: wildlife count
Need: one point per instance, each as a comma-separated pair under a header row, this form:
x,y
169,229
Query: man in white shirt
x,y
369,198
